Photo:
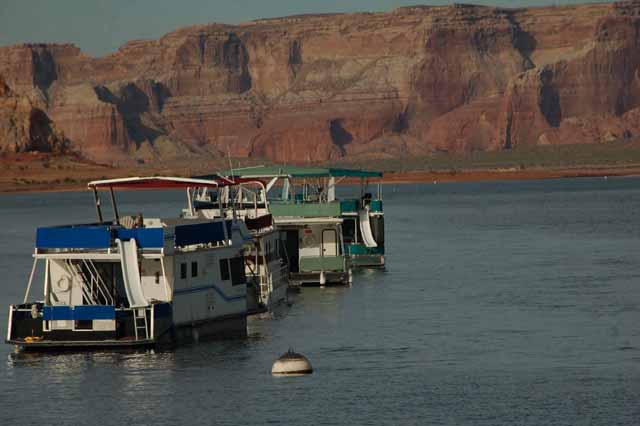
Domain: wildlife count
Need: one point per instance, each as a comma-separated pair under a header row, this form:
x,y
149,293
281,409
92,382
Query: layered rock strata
x,y
321,87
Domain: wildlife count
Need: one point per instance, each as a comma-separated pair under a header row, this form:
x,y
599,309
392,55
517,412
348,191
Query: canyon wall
x,y
313,88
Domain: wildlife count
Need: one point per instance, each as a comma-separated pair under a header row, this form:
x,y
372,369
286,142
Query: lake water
x,y
504,303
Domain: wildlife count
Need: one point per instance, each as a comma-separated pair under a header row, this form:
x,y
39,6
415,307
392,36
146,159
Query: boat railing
x,y
94,289
282,271
266,281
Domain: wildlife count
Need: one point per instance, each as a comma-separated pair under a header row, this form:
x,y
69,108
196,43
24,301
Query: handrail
x,y
99,282
94,280
71,270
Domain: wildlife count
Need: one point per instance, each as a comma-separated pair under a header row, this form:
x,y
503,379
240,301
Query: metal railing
x,y
94,289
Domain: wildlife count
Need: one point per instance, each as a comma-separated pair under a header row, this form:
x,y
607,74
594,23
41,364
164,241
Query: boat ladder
x,y
140,323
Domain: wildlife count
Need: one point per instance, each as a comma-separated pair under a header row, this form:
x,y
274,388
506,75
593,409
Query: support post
x,y
47,282
115,206
33,271
190,202
98,209
166,282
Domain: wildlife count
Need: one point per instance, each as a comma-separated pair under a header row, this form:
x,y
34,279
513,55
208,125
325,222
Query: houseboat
x,y
135,280
266,262
362,215
325,235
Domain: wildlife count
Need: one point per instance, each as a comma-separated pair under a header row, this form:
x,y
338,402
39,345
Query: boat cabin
x,y
266,260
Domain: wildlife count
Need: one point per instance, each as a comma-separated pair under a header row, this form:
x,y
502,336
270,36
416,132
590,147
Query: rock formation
x,y
321,87
24,126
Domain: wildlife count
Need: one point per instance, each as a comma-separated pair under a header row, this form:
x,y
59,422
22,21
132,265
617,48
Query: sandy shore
x,y
33,174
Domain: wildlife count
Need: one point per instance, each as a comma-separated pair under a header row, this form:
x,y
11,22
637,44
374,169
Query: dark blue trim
x,y
89,237
53,313
96,236
201,233
94,312
145,237
208,287
83,312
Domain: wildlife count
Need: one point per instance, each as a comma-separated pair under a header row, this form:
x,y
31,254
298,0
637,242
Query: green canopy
x,y
298,172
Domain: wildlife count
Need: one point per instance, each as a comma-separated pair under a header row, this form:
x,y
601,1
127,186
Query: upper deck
x,y
314,209
309,192
168,235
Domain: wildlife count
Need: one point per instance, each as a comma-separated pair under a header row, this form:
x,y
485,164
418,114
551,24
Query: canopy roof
x,y
159,182
299,172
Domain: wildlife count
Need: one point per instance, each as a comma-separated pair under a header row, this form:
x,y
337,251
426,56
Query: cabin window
x,y
238,276
157,277
194,269
224,269
183,271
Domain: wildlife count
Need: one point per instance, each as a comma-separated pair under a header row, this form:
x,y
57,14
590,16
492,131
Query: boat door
x,y
293,246
329,242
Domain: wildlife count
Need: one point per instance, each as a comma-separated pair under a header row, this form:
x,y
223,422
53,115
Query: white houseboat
x,y
136,280
266,261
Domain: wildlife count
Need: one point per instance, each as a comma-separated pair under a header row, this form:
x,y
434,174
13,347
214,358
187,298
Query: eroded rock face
x,y
322,87
25,127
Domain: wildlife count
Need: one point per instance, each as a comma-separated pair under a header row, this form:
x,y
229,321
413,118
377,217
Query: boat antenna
x,y
230,164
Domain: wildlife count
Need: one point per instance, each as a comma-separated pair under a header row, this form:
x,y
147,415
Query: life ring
x,y
309,240
63,284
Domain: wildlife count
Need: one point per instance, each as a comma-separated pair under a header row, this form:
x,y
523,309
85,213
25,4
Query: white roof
x,y
158,182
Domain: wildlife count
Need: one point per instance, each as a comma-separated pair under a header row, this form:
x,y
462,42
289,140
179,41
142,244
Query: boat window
x,y
183,270
224,269
194,269
84,325
238,276
157,277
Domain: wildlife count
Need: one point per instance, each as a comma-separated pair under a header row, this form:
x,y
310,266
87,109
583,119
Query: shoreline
x,y
486,175
405,177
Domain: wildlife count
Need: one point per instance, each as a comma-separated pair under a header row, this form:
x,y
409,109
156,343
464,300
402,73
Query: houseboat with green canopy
x,y
303,199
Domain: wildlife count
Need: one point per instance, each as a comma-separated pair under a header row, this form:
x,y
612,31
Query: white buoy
x,y
291,364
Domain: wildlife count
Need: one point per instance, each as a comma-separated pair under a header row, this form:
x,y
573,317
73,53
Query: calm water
x,y
503,304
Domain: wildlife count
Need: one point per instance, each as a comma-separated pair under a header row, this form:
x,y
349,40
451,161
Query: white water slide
x,y
131,273
365,228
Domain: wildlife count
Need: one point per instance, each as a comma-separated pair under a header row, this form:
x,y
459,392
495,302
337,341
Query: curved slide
x,y
365,228
131,273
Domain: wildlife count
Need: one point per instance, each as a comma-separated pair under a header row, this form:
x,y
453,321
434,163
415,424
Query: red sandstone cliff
x,y
24,126
319,87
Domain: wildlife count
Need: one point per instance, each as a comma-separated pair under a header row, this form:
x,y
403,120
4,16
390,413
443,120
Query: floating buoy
x,y
291,364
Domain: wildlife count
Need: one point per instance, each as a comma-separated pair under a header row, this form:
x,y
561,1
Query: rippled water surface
x,y
503,303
